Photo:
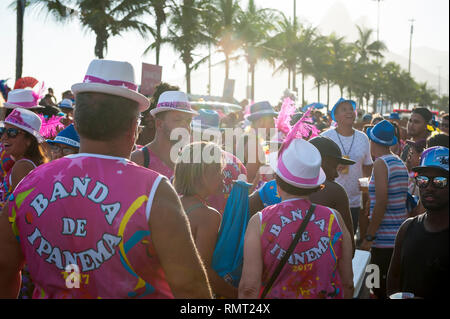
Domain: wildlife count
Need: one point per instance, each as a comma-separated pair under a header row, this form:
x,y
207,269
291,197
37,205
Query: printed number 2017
x,y
73,277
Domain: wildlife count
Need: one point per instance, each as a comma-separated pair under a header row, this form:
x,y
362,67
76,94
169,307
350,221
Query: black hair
x,y
104,117
296,191
160,89
438,140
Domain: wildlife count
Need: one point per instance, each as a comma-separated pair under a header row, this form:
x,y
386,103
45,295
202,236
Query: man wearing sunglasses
x,y
420,263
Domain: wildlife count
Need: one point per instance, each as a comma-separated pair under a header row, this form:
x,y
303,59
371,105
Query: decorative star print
x,y
58,177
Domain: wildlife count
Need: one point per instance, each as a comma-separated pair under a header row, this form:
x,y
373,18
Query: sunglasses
x,y
437,182
10,132
64,150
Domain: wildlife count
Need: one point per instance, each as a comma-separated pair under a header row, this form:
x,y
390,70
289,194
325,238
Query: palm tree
x,y
19,6
320,62
366,49
159,11
340,52
284,46
222,17
305,50
186,33
106,18
254,26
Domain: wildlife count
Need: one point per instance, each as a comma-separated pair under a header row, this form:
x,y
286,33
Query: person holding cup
x,y
388,189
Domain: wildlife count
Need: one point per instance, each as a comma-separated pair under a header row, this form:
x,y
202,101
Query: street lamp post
x,y
410,45
378,19
439,83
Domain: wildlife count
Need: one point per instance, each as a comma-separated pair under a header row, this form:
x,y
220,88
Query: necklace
x,y
351,145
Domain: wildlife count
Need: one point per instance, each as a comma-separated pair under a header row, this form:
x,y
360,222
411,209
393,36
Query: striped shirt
x,y
396,212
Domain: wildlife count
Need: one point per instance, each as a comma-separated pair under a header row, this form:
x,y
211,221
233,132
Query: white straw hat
x,y
112,77
26,120
24,98
299,165
173,101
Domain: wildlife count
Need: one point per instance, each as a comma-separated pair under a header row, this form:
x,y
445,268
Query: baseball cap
x,y
436,157
327,147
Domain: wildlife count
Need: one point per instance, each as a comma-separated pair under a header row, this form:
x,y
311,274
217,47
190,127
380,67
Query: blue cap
x,y
259,110
394,116
66,104
342,100
68,136
383,133
206,120
367,117
436,157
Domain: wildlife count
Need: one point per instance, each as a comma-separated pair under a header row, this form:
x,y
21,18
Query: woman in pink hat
x,y
295,249
21,141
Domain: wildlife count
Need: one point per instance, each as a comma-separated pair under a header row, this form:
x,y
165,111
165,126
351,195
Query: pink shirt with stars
x,y
89,213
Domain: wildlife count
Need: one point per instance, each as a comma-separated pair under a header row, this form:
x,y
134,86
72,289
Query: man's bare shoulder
x,y
138,157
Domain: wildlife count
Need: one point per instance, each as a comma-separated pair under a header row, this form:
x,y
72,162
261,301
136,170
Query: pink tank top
x,y
311,270
91,211
231,172
159,166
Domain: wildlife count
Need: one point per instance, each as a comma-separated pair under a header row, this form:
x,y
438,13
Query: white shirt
x,y
358,152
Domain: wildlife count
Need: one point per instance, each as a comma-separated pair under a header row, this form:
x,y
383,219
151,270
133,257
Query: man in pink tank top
x,y
320,265
172,112
95,224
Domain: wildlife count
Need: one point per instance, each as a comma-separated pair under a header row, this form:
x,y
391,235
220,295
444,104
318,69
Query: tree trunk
x,y
20,10
294,82
328,95
227,66
158,41
303,89
100,44
318,92
289,78
188,78
252,70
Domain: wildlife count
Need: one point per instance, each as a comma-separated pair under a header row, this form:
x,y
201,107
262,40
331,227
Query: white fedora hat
x,y
112,77
26,120
173,101
299,165
24,98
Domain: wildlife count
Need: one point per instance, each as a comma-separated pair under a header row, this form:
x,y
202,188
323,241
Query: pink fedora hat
x,y
112,77
299,164
24,98
173,101
26,120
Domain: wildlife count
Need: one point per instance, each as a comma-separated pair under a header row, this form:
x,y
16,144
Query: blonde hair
x,y
193,162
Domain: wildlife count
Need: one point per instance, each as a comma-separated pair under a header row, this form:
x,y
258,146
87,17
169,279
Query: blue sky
x,y
60,53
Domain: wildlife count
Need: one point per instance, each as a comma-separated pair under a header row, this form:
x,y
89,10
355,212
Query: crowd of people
x,y
133,195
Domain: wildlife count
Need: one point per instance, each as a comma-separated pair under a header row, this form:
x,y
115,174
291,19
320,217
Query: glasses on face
x,y
10,132
437,182
62,150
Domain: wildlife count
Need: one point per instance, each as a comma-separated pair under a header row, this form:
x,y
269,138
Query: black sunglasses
x,y
11,132
437,182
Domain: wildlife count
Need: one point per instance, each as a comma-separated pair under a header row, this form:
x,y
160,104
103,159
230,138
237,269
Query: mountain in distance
x,y
425,61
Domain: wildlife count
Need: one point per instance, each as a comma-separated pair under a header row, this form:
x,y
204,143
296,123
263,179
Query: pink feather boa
x,y
51,127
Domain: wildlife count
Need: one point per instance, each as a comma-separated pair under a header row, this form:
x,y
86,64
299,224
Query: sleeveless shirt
x,y
311,271
396,211
89,213
425,261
